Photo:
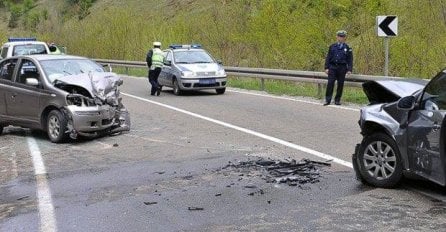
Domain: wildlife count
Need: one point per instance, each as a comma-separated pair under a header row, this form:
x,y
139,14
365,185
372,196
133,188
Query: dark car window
x,y
29,49
4,52
27,70
434,97
7,69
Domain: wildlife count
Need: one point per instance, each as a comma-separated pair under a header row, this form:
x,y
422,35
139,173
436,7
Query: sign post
x,y
386,26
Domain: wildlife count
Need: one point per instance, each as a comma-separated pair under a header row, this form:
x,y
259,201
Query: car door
x,y
7,68
165,77
23,102
426,132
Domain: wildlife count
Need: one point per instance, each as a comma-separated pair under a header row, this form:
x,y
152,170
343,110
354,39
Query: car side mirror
x,y
52,48
167,62
406,103
32,82
219,62
108,66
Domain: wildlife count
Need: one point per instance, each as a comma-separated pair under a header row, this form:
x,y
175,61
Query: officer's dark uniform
x,y
339,60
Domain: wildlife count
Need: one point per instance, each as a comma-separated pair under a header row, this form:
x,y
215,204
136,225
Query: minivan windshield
x,y
66,67
29,49
192,57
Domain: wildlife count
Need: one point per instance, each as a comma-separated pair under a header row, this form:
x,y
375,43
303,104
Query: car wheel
x,y
220,91
176,88
379,161
56,126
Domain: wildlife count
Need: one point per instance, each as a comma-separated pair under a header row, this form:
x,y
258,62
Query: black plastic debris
x,y
150,202
218,194
22,198
160,172
290,172
195,208
115,145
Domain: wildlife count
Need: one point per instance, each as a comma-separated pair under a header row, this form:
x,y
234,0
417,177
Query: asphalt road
x,y
173,157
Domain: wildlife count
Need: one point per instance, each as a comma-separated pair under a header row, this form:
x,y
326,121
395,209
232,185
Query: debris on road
x,y
22,198
160,173
150,202
195,208
289,172
218,194
115,145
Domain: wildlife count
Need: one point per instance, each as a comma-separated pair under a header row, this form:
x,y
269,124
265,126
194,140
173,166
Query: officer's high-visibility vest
x,y
157,58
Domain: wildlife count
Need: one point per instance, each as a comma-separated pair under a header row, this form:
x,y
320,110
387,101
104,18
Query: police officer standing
x,y
154,59
339,61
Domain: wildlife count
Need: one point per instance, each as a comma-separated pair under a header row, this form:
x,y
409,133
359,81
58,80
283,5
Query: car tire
x,y
176,88
379,161
220,91
56,126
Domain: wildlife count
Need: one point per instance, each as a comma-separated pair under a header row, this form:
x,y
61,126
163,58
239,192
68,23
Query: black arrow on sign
x,y
384,25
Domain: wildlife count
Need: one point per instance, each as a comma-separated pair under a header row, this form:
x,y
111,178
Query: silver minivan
x,y
189,67
62,95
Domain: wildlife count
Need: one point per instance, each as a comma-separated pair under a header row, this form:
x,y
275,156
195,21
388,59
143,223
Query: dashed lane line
x,y
46,208
248,131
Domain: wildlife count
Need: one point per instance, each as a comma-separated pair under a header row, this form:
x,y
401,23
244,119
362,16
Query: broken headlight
x,y
75,100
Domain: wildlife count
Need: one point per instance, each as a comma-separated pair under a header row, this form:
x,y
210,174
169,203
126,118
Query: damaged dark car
x,y
404,132
66,96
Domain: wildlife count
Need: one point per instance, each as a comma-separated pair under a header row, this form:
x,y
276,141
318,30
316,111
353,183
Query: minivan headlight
x,y
188,74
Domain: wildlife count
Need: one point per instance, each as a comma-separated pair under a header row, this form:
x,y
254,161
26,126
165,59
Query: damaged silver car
x,y
65,96
404,132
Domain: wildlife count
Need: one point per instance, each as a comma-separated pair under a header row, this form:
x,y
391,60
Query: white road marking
x,y
46,208
291,99
251,132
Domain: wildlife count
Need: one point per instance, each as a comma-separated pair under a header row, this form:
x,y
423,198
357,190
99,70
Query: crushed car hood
x,y
387,91
99,84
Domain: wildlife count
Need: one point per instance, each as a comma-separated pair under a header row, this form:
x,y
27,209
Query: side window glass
x,y
434,97
7,69
169,56
28,73
4,52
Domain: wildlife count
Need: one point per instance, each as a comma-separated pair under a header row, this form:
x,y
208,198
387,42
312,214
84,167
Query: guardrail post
x,y
127,71
319,90
262,84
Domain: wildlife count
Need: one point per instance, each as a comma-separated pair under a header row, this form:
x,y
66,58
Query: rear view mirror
x,y
110,69
52,48
168,63
32,82
406,103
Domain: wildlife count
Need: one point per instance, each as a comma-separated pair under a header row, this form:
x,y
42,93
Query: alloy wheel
x,y
379,160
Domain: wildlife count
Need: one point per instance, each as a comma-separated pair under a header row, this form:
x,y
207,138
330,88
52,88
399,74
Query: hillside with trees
x,y
285,34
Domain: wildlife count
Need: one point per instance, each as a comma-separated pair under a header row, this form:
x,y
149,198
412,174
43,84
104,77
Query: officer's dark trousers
x,y
336,73
153,79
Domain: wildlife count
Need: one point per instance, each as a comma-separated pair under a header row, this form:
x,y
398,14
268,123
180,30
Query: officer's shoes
x,y
158,91
337,103
326,103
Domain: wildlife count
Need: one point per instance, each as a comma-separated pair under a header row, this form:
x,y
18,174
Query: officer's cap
x,y
157,44
341,33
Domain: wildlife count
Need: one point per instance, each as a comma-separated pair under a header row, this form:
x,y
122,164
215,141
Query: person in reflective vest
x,y
155,59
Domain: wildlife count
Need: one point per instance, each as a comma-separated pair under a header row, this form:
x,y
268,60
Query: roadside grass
x,y
277,87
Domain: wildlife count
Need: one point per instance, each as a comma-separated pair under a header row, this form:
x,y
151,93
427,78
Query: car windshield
x,y
65,67
192,56
29,49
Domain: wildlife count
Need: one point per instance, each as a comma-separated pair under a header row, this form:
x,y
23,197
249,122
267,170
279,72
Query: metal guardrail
x,y
319,78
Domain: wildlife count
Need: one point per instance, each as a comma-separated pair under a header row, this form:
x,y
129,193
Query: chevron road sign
x,y
387,26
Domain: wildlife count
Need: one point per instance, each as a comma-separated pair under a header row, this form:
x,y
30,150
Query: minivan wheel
x,y
379,161
176,88
220,91
56,126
